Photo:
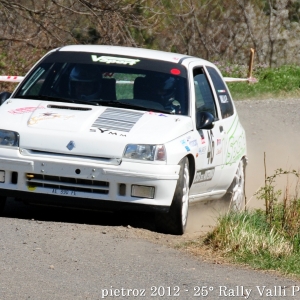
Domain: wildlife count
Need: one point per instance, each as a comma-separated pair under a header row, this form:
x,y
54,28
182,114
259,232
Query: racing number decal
x,y
211,147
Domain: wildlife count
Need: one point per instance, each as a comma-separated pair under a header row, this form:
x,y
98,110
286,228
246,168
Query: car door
x,y
212,142
233,142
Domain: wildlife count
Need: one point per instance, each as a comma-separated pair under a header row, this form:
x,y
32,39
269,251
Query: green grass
x,y
267,240
282,82
249,239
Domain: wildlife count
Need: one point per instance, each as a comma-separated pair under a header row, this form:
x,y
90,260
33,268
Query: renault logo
x,y
71,145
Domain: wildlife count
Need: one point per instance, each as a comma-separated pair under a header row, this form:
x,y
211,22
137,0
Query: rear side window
x,y
224,98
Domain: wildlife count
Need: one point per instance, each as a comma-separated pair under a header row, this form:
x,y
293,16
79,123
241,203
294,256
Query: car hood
x,y
97,131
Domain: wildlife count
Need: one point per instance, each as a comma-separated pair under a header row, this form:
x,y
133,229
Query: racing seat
x,y
141,89
108,89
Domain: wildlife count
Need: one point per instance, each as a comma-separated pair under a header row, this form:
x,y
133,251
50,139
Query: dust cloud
x,y
272,130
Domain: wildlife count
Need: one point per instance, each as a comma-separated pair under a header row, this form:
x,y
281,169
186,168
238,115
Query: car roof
x,y
134,52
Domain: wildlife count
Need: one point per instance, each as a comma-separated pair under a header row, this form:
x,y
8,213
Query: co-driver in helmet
x,y
85,82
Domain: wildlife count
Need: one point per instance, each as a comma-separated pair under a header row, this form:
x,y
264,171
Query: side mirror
x,y
4,96
204,120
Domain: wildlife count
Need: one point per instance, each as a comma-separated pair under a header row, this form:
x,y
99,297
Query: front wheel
x,y
174,222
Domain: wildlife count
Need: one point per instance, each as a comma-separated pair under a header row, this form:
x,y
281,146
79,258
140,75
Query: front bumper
x,y
79,183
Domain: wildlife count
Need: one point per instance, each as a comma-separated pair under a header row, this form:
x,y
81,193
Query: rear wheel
x,y
174,222
236,192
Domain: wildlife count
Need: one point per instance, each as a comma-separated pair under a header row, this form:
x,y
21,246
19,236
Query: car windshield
x,y
102,79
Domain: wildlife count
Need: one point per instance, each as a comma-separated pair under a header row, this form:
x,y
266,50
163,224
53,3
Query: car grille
x,y
67,183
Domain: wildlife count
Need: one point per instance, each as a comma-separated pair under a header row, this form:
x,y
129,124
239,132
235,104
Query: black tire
x,y
235,195
2,203
174,222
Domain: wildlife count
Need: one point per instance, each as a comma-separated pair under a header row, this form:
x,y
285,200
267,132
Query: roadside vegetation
x,y
280,82
266,239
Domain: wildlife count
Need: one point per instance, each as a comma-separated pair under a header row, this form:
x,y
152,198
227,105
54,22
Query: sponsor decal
x,y
193,143
219,151
183,142
236,143
223,98
202,150
211,147
204,175
115,60
92,130
48,116
221,91
155,114
24,110
111,132
219,141
103,130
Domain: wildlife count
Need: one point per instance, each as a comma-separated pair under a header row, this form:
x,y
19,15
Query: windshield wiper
x,y
127,105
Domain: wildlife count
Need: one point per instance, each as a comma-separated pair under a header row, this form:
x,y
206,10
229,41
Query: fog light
x,y
142,191
2,176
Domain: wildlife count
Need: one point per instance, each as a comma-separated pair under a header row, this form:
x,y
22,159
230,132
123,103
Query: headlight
x,y
9,138
145,152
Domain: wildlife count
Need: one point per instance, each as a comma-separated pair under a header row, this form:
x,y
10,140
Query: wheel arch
x,y
192,167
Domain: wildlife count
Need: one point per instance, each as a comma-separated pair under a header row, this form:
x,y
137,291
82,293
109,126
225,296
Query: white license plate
x,y
63,192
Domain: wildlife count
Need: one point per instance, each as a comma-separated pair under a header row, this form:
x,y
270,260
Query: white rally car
x,y
108,127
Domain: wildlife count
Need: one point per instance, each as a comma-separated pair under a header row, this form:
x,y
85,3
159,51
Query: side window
x,y
33,86
203,93
222,93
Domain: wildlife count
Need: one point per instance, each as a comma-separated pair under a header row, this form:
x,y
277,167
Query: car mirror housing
x,y
4,96
204,120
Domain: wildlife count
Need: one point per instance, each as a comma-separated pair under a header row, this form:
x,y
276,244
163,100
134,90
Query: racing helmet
x,y
85,82
166,89
165,93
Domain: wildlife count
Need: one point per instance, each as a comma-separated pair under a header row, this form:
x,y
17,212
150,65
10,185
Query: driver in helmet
x,y
85,82
166,89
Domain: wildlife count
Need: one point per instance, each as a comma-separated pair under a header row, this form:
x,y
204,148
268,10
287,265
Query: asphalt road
x,y
53,253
